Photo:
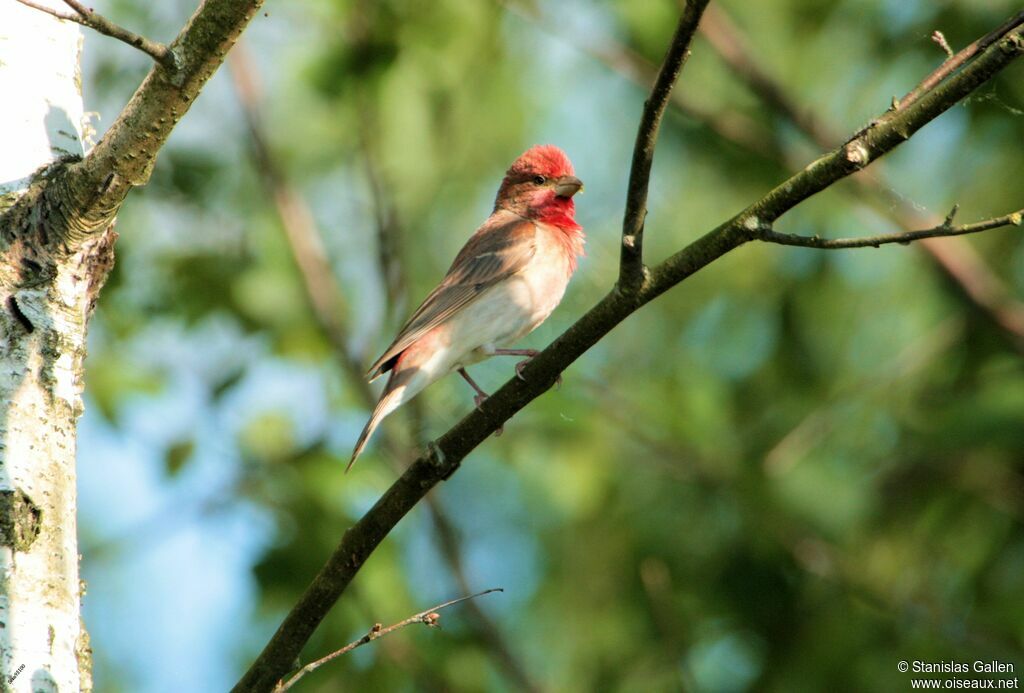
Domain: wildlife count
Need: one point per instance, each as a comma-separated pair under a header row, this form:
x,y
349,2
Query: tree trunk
x,y
47,290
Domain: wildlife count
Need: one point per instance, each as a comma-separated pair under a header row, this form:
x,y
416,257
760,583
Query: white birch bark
x,y
44,305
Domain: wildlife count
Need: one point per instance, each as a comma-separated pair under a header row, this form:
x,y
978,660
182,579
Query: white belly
x,y
514,307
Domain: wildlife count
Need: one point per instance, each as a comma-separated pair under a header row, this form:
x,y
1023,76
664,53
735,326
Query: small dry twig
x,y
955,61
428,617
940,38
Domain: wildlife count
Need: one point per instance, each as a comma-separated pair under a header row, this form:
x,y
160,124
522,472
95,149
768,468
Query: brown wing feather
x,y
498,249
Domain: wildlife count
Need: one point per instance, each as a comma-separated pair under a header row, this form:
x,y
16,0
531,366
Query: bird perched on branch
x,y
504,282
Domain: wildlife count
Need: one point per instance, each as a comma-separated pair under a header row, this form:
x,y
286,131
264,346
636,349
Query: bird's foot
x,y
480,396
522,364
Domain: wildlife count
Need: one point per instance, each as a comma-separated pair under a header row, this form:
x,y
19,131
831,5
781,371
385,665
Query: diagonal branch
x,y
956,258
428,617
631,262
444,455
902,237
92,19
83,197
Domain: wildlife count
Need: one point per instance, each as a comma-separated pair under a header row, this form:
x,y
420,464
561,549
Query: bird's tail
x,y
388,402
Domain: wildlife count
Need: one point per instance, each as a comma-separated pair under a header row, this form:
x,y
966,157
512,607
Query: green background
x,y
789,473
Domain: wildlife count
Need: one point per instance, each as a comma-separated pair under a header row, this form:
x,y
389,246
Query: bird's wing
x,y
496,251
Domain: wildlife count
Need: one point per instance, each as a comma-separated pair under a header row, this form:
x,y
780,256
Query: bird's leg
x,y
480,394
478,400
529,354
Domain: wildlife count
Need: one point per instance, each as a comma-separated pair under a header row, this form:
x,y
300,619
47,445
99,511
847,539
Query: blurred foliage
x,y
791,472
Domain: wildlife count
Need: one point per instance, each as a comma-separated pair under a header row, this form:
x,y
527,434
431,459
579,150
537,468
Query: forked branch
x,y
88,193
631,263
954,257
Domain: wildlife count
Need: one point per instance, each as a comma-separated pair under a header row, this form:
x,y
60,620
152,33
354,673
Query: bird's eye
x,y
540,180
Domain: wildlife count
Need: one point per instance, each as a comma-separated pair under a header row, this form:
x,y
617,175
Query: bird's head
x,y
540,185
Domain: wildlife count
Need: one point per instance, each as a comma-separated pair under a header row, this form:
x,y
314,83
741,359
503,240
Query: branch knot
x,y
857,154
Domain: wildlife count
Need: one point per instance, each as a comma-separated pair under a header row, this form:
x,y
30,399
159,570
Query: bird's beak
x,y
567,186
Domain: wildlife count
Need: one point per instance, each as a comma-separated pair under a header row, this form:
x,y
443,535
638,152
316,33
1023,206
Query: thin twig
x,y
428,617
88,17
631,262
404,653
448,541
903,237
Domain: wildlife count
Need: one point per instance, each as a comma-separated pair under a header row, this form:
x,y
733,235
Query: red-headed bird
x,y
504,282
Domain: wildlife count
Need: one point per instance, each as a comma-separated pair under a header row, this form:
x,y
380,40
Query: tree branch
x,y
443,456
956,258
88,193
94,20
428,617
903,237
631,261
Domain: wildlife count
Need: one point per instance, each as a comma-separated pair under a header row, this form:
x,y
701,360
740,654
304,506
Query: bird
x,y
507,279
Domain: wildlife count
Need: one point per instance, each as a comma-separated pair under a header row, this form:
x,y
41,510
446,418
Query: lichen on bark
x,y
20,519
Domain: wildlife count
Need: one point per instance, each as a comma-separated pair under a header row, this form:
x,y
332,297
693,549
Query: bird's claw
x,y
522,364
